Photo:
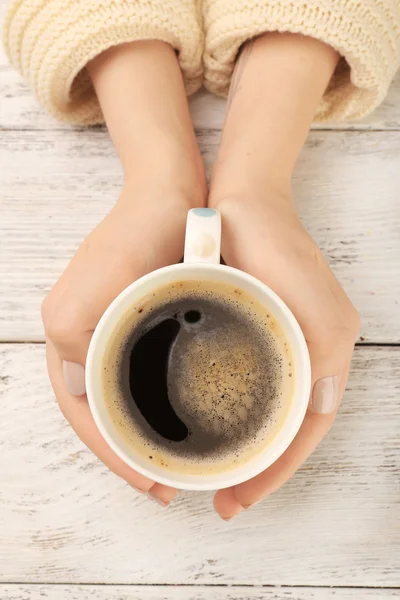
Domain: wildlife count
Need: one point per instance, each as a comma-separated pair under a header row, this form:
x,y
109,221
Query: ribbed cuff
x,y
366,34
50,43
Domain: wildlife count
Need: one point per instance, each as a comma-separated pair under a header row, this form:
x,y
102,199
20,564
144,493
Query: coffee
x,y
198,377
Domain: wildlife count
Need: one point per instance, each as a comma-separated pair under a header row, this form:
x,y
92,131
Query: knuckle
x,y
351,321
56,330
345,331
59,323
59,329
354,321
46,309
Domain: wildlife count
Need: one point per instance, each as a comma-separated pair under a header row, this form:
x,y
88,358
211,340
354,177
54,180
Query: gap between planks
x,y
183,592
195,586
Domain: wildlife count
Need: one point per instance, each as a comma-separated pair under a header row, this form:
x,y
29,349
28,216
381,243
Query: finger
x,y
251,492
77,412
226,504
313,429
162,494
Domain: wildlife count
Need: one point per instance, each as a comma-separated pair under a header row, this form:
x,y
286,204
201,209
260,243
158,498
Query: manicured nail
x,y
74,376
158,500
325,395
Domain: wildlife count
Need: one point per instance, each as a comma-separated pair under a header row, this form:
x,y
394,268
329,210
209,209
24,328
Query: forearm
x,y
278,82
142,96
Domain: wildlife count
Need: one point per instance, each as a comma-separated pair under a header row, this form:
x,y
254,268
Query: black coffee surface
x,y
200,375
148,380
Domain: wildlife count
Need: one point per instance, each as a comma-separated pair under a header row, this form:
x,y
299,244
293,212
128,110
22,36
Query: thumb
x,y
74,377
67,329
330,371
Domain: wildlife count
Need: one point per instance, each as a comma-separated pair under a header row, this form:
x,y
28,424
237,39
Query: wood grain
x,y
20,110
114,592
65,518
55,187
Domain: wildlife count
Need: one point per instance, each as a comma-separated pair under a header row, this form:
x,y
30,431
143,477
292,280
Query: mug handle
x,y
203,236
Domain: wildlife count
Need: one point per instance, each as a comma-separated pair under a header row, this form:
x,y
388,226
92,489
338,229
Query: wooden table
x,y
69,529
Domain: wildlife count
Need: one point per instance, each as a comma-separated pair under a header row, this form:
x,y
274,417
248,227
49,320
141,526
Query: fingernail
x,y
226,518
158,500
325,395
74,376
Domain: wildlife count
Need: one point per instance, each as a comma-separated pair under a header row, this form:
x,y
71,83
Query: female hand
x,y
151,129
143,232
265,238
277,87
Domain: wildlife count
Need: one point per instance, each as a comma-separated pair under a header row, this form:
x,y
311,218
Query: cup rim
x,y
270,453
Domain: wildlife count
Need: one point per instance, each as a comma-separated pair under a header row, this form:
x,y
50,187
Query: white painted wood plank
x,y
20,110
115,592
65,518
55,187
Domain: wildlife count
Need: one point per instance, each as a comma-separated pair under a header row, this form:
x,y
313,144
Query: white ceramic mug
x,y
201,262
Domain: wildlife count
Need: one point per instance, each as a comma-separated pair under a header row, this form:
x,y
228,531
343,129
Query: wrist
x,y
250,182
170,173
176,186
270,218
267,202
141,92
279,80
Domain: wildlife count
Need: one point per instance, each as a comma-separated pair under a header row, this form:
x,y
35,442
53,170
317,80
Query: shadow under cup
x,y
287,323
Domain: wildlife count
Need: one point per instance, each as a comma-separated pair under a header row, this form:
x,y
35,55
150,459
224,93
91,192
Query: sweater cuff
x,y
366,34
50,42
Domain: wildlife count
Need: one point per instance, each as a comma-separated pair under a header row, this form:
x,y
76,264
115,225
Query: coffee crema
x,y
198,377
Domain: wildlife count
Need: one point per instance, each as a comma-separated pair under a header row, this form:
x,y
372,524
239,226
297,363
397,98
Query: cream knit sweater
x,y
51,41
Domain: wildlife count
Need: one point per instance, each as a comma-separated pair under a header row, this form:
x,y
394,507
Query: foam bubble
x,y
227,375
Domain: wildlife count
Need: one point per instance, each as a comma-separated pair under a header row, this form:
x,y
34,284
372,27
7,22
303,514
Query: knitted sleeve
x,y
51,41
365,32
